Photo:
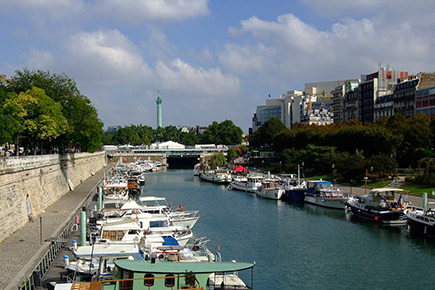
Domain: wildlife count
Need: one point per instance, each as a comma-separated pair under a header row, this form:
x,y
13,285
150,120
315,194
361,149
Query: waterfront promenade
x,y
21,252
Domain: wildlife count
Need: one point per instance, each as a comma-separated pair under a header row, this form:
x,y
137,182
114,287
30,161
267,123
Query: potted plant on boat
x,y
189,280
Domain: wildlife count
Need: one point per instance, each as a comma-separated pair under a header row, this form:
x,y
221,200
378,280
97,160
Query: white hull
x,y
271,193
333,202
215,177
244,186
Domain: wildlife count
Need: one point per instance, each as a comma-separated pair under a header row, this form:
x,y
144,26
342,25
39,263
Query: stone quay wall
x,y
30,184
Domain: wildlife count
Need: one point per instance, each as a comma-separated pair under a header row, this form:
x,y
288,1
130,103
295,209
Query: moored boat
x,y
215,176
250,183
421,221
323,193
295,189
138,275
270,189
380,206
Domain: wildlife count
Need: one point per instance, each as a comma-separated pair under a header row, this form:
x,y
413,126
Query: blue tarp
x,y
170,241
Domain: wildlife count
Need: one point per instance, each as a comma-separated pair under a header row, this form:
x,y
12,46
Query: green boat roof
x,y
181,267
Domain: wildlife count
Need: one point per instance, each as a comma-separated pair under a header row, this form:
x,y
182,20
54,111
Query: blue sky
x,y
213,60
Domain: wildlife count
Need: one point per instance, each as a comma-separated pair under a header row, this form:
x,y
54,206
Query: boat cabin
x,y
382,198
176,275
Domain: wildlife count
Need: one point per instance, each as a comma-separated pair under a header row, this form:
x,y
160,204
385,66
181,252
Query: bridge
x,y
174,154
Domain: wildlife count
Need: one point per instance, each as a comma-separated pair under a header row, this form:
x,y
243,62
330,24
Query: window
x,y
148,282
169,280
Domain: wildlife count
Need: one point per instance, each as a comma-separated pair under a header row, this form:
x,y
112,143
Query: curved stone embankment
x,y
33,183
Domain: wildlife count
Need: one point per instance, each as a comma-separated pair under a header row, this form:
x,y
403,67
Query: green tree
x,y
37,117
6,120
223,133
83,128
171,133
219,159
232,153
188,139
268,130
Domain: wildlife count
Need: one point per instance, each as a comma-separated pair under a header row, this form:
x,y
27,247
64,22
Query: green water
x,y
299,246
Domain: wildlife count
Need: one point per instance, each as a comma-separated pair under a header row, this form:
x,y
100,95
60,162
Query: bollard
x,y
66,260
83,228
100,198
74,242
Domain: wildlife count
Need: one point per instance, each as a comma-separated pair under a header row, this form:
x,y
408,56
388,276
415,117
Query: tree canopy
x,y
44,106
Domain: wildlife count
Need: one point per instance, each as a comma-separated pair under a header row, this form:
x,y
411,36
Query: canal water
x,y
295,245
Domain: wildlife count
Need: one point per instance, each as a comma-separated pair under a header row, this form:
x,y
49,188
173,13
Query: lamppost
x,y
303,169
262,161
280,162
333,166
371,177
351,182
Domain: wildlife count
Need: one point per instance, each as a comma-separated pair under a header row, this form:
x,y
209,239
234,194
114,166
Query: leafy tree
x,y
264,135
36,117
223,133
219,159
158,134
383,163
6,128
188,139
171,133
83,128
232,153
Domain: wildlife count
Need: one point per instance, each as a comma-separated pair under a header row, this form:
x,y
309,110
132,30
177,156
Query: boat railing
x,y
184,215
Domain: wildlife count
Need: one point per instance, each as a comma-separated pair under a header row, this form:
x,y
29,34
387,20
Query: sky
x,y
212,60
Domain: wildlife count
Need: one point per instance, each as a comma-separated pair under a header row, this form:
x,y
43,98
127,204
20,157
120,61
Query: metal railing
x,y
34,278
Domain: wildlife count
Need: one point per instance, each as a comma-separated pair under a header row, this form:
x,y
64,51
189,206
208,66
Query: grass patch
x,y
417,189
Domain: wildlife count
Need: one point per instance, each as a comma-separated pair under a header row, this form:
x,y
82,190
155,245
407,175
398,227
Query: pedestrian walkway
x,y
22,251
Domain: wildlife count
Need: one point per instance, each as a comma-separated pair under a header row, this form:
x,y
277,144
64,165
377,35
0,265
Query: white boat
x,y
197,169
215,176
380,206
115,189
270,189
323,193
162,250
132,231
154,207
421,221
87,258
250,183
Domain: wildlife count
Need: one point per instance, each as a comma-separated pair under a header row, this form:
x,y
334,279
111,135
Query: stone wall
x,y
36,182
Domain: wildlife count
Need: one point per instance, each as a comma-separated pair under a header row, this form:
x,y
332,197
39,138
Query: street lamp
x,y
303,169
333,166
280,162
371,170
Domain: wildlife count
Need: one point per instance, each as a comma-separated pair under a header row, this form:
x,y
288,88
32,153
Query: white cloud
x,y
192,82
132,12
138,11
39,59
107,56
291,48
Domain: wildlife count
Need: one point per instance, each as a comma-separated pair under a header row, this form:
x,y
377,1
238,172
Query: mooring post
x,y
100,198
83,226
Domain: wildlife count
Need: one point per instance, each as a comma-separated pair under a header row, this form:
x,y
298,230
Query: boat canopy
x,y
181,268
240,168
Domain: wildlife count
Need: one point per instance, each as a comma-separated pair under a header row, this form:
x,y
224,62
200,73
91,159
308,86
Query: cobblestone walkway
x,y
20,252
